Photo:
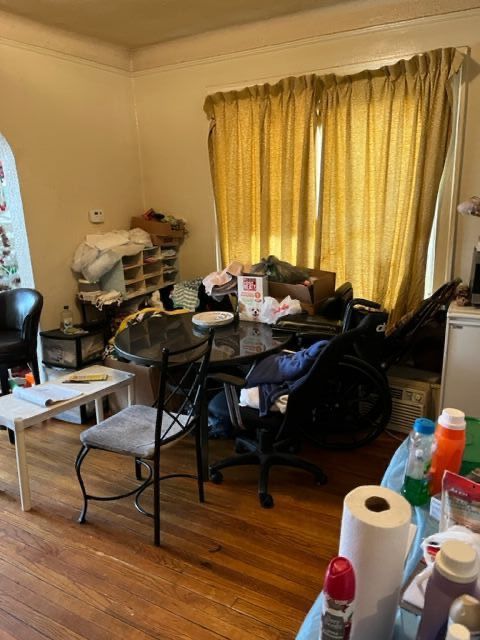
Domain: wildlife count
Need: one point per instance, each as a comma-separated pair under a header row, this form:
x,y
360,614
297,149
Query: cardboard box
x,y
147,380
252,290
156,228
310,297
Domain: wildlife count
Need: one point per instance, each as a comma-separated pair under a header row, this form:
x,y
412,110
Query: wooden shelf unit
x,y
144,272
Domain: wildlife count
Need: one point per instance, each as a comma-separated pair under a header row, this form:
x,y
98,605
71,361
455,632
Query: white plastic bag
x,y
272,310
432,543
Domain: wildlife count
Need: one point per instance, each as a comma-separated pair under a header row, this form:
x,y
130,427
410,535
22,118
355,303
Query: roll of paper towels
x,y
374,535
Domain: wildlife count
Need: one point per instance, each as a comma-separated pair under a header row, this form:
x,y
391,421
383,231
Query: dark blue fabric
x,y
219,423
281,373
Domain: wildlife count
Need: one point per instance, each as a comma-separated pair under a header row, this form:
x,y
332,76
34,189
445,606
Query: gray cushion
x,y
132,431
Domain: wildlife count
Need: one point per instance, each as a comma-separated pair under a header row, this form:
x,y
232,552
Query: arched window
x,y
15,263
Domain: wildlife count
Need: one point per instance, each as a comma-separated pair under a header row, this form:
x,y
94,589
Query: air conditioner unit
x,y
411,399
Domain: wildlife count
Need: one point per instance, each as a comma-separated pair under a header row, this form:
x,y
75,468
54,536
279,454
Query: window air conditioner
x,y
411,399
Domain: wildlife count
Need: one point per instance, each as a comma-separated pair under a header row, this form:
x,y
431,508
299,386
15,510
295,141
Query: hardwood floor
x,y
226,569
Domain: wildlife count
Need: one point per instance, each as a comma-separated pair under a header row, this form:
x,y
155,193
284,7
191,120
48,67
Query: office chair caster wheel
x,y
216,477
266,500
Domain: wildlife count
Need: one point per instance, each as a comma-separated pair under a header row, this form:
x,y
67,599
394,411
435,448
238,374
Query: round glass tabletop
x,y
236,343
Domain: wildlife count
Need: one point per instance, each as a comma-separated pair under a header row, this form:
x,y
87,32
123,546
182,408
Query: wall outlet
x,y
96,216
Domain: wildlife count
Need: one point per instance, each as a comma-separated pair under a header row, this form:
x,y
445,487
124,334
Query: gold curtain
x,y
262,157
385,137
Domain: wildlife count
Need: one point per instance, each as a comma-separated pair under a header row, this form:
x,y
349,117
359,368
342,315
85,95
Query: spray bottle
x,y
338,600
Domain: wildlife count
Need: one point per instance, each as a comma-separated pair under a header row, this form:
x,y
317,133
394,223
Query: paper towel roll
x,y
373,536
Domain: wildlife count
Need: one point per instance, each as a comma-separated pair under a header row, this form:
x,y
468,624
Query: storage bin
x,y
72,351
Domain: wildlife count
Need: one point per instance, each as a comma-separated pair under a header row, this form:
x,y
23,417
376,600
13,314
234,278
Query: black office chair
x,y
141,432
20,311
343,401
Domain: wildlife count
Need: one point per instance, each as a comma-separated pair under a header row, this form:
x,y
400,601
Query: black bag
x,y
279,271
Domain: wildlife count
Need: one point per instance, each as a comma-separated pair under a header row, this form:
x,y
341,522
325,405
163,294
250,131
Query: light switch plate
x,y
96,216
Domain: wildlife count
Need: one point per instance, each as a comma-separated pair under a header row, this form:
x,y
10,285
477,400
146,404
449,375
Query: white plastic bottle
x,y
465,610
66,320
457,632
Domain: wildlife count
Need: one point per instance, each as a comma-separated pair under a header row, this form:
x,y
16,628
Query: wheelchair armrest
x,y
335,306
347,318
227,378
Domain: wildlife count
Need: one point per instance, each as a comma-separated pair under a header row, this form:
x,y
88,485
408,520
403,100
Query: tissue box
x,y
252,290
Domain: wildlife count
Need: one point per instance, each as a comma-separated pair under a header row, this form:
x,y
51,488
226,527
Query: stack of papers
x,y
46,394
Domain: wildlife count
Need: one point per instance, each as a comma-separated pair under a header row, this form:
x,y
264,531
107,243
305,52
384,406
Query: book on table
x,y
46,395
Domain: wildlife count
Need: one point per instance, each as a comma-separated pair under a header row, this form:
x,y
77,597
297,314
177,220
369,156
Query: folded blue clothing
x,y
281,373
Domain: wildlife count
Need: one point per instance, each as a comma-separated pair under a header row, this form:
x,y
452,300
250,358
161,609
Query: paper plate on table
x,y
212,318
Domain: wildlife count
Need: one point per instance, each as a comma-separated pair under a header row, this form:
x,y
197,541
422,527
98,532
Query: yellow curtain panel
x,y
385,137
262,156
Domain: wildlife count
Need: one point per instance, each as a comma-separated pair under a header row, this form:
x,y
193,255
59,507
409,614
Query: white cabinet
x,y
461,361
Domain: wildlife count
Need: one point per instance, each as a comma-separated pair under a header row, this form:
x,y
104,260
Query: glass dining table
x,y
237,343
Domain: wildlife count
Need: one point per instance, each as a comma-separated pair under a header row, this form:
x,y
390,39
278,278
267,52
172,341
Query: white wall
x,y
67,108
70,124
170,94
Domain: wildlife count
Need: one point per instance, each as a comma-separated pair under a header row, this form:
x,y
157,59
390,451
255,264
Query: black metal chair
x,y
344,401
20,311
141,432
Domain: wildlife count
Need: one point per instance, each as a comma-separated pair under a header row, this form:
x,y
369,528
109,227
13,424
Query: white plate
x,y
212,318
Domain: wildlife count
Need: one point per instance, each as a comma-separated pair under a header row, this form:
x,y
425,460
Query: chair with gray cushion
x,y
141,432
19,317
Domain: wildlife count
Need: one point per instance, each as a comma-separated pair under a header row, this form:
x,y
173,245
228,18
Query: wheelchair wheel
x,y
353,408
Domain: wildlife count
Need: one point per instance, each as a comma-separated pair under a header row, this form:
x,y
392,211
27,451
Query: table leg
x,y
99,410
22,470
131,394
204,437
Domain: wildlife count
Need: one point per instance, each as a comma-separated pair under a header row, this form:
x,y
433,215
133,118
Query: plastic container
x,y
449,446
458,632
454,574
339,594
416,484
66,319
465,611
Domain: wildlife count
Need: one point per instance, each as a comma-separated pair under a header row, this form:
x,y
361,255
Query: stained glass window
x,y
9,276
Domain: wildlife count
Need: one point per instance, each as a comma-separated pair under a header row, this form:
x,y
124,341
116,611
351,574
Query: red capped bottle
x,y
338,600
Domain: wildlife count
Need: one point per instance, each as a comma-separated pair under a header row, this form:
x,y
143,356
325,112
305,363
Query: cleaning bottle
x,y
448,448
338,597
458,632
465,610
454,574
66,320
417,472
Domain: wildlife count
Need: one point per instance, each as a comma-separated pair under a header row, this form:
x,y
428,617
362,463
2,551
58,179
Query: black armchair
x,y
20,311
343,402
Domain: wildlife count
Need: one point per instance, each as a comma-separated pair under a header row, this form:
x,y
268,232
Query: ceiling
x,y
137,23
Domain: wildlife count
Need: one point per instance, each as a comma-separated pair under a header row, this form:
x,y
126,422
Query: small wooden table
x,y
18,415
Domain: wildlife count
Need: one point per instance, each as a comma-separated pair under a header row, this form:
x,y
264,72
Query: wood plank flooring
x,y
226,569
